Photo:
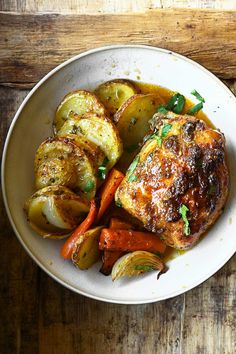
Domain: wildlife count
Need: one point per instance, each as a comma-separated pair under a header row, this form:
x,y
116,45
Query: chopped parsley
x,y
118,203
183,211
176,103
145,268
89,186
164,131
195,109
162,109
102,170
130,176
198,96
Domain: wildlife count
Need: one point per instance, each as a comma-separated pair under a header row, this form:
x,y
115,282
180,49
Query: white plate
x,y
32,124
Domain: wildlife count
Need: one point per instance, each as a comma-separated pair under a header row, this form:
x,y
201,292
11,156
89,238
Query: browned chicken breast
x,y
178,183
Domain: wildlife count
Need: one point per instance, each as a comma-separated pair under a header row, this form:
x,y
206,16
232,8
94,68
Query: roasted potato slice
x,y
53,212
133,116
91,149
114,93
78,102
99,130
61,161
86,251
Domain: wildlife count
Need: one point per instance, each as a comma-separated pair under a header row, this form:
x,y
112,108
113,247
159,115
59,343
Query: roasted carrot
x,y
116,223
108,190
66,250
109,258
128,240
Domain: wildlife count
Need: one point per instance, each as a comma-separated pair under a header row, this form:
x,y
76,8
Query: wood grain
x,y
40,316
31,45
107,6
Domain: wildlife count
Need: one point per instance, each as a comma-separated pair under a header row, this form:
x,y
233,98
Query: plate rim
x,y
4,154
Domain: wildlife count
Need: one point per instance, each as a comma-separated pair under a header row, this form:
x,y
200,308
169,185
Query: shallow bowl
x,y
33,123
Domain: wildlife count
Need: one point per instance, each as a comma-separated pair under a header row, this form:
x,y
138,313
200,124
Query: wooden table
x,y
37,314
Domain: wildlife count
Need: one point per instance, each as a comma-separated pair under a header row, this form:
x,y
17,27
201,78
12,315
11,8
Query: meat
x,y
178,183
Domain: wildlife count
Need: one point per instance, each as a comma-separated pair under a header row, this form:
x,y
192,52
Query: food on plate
x,y
128,206
79,102
114,93
86,252
129,240
66,251
178,184
99,130
108,190
63,161
136,263
110,257
133,117
53,212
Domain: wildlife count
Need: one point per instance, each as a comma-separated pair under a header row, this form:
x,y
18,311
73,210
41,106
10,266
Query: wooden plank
x,y
210,315
31,45
40,316
18,273
107,6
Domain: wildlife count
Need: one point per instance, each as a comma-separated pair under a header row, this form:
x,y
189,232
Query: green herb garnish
x,y
197,95
176,103
145,268
132,167
132,178
157,138
102,170
118,203
164,131
162,109
183,211
89,186
195,109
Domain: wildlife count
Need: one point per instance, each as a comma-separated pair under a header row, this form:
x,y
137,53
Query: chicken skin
x,y
178,184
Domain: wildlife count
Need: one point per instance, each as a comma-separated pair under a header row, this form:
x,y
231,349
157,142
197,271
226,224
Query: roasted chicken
x,y
178,184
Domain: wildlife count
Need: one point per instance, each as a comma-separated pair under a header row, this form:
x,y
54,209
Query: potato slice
x,y
92,150
53,212
133,116
61,161
79,102
100,131
86,251
114,93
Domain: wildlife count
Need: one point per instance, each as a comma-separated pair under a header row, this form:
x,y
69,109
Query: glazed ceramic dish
x,y
33,123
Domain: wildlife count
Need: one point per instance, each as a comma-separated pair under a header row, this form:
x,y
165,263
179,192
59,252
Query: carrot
x,y
128,240
108,190
116,223
67,248
109,258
